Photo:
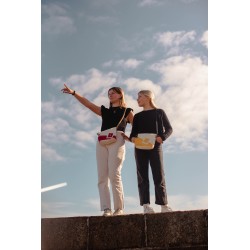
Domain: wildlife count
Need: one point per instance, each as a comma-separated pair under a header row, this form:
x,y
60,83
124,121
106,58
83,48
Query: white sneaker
x,y
166,208
107,212
118,212
148,209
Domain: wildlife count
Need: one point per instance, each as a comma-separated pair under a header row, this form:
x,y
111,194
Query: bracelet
x,y
74,92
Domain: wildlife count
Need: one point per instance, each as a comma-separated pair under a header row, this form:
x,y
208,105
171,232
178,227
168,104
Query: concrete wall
x,y
174,231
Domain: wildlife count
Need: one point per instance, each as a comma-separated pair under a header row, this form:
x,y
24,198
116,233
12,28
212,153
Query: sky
x,y
25,83
146,44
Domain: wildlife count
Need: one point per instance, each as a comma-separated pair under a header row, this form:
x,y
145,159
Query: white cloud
x,y
50,154
130,63
55,130
56,82
57,20
204,39
135,84
73,110
185,100
93,81
54,9
149,54
85,136
175,39
88,84
181,70
48,108
144,3
107,64
80,132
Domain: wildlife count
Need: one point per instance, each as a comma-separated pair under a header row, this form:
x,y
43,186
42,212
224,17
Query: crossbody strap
x,y
121,118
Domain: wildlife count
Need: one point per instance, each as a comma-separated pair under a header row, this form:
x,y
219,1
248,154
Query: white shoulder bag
x,y
108,136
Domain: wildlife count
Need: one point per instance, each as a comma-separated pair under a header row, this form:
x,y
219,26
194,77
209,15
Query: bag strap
x,y
121,118
156,121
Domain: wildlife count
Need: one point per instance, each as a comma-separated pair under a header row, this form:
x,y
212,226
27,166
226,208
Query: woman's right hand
x,y
67,90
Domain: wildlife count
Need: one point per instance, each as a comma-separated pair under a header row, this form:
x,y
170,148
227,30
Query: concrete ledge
x,y
188,228
174,231
64,233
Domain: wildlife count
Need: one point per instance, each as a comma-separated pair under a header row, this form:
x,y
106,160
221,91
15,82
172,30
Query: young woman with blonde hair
x,y
151,120
109,157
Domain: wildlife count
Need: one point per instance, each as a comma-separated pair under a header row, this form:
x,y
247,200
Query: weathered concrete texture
x,y
181,230
127,231
64,233
168,248
177,229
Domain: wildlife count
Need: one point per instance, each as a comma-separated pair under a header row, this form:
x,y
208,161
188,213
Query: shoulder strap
x,y
121,118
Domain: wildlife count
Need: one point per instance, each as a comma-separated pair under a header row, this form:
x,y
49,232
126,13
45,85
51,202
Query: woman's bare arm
x,y
84,101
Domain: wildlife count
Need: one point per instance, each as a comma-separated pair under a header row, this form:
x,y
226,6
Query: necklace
x,y
115,109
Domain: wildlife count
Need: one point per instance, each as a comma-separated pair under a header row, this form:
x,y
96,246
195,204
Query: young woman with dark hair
x,y
109,157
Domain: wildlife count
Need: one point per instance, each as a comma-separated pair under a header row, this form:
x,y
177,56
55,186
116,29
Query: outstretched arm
x,y
84,101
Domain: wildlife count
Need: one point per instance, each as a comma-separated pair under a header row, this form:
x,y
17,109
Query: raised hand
x,y
67,90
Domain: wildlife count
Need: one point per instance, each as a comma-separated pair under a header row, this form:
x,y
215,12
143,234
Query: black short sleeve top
x,y
111,117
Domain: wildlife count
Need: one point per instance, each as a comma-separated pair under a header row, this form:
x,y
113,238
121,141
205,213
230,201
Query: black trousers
x,y
153,157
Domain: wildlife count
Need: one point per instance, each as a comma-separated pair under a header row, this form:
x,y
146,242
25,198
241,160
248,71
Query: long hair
x,y
151,97
119,91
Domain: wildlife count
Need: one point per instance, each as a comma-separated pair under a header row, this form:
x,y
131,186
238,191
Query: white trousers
x,y
109,165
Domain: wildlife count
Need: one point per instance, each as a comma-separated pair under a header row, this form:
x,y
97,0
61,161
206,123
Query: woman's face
x,y
114,96
142,100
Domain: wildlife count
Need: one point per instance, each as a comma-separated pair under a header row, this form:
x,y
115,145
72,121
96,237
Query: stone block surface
x,y
64,233
177,229
117,232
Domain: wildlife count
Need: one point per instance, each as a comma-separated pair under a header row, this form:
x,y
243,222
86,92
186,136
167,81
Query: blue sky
x,y
144,44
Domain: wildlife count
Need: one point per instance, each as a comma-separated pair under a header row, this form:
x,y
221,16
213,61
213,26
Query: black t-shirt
x,y
111,117
145,122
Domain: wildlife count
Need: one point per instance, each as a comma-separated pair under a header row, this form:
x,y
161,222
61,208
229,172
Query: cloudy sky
x,y
140,44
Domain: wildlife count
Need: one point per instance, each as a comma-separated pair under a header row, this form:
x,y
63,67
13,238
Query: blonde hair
x,y
119,91
151,97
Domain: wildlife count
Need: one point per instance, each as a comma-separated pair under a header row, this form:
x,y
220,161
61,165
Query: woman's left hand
x,y
158,139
